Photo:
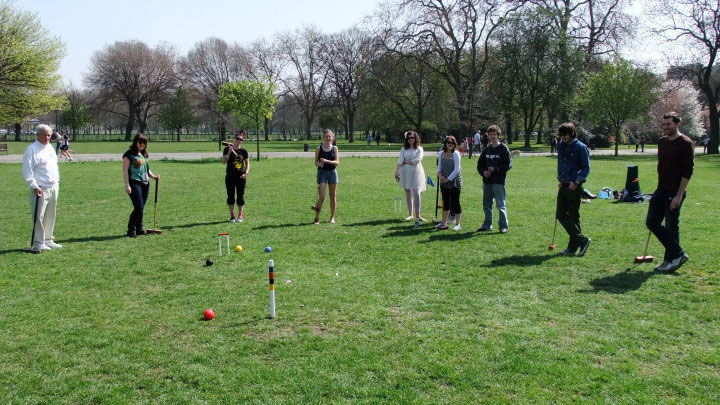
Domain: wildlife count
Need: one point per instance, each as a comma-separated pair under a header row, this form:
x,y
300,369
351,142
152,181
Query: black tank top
x,y
327,155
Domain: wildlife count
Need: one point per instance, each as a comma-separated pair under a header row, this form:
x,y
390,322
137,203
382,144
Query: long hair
x,y
567,128
406,143
448,139
140,137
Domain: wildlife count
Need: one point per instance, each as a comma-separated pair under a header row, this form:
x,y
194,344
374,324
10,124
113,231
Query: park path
x,y
115,157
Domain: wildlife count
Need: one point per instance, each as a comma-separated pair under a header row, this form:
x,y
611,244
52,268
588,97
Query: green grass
x,y
118,147
369,309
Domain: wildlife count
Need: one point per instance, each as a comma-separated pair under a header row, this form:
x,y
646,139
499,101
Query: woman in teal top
x,y
136,173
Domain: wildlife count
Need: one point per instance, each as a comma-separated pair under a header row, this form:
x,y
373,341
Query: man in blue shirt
x,y
573,169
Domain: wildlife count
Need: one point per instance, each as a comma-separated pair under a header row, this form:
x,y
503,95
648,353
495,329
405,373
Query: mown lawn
x,y
369,309
117,147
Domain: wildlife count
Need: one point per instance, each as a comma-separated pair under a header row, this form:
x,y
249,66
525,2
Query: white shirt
x,y
476,139
40,168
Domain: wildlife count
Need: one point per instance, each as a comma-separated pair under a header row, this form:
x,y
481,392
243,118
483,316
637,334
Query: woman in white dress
x,y
411,175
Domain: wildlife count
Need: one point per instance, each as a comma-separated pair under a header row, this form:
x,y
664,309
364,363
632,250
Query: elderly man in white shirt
x,y
40,171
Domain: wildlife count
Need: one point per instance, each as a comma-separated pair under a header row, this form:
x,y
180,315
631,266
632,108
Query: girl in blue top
x,y
136,173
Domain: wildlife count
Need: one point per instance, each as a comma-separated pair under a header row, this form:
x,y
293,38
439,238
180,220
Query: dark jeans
x,y
568,214
451,200
235,184
669,234
138,196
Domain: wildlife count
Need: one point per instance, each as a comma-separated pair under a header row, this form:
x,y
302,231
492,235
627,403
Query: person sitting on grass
x,y
237,168
327,158
411,175
448,173
494,163
136,172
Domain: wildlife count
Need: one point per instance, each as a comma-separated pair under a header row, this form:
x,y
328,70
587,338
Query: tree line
x,y
437,67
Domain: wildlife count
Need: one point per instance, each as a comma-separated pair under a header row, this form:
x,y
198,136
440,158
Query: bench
x,y
4,148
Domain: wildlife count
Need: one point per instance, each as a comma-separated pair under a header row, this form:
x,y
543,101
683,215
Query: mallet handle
x,y
647,244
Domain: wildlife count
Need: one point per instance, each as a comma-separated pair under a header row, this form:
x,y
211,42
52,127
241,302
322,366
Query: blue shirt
x,y
573,162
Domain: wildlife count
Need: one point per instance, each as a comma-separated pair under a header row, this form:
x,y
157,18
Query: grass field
x,y
117,147
369,309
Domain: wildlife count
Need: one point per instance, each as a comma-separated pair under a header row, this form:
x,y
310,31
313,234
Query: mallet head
x,y
643,259
552,247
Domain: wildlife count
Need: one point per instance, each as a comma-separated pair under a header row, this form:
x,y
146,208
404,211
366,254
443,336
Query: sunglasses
x,y
238,138
450,143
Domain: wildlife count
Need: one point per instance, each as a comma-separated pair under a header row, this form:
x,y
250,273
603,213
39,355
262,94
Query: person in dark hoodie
x,y
493,165
573,169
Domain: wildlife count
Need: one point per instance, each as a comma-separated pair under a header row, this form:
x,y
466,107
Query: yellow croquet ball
x,y
238,248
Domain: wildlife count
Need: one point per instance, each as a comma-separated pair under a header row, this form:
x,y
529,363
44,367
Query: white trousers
x,y
45,221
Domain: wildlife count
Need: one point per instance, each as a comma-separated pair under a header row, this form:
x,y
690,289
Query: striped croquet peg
x,y
271,280
227,239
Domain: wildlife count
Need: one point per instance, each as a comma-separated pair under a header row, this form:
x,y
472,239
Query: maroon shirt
x,y
675,161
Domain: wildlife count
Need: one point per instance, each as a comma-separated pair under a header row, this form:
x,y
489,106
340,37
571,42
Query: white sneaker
x,y
240,219
39,247
456,227
53,245
232,220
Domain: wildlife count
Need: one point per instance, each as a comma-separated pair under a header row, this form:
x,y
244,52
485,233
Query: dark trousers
x,y
235,184
138,195
451,200
568,214
669,234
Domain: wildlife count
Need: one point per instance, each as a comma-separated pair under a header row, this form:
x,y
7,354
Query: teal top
x,y
138,169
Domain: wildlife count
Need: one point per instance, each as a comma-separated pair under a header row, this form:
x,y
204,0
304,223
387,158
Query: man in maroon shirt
x,y
675,167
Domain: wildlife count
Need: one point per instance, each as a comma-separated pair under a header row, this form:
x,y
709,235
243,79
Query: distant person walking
x,y
642,144
237,168
476,141
65,145
675,167
136,172
706,145
327,159
40,172
573,167
450,178
411,175
494,163
553,144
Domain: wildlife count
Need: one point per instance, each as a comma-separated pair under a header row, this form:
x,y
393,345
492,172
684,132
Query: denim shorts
x,y
327,176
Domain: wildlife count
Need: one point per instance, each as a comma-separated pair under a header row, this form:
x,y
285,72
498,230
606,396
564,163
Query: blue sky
x,y
87,26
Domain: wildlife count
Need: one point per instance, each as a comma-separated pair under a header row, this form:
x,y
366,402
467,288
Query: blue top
x,y
573,162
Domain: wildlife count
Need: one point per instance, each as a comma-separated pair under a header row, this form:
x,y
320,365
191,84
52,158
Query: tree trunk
x,y
714,128
18,132
508,128
617,139
351,125
528,136
540,131
308,124
267,129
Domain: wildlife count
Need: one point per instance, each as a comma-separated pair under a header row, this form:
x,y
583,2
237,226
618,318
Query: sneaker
x,y
39,247
457,227
567,252
332,220
584,247
131,234
240,219
316,221
441,227
232,219
503,230
677,263
484,229
52,245
421,219
409,218
663,267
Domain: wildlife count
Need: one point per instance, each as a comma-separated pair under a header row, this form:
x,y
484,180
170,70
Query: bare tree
x,y
265,62
457,32
308,83
347,57
207,66
696,23
131,73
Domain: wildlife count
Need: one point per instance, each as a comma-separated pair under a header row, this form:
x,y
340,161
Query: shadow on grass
x,y
192,225
523,260
448,235
257,228
375,222
620,283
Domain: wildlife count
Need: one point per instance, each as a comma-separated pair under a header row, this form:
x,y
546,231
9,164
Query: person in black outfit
x,y
237,168
136,172
327,159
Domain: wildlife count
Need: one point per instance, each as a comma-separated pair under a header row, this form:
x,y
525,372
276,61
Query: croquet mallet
x,y
552,244
154,229
645,258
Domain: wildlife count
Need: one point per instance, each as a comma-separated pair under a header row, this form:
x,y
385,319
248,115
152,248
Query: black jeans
x,y
451,200
233,184
568,214
138,196
668,235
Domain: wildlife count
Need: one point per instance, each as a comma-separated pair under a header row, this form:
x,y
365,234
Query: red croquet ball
x,y
209,314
